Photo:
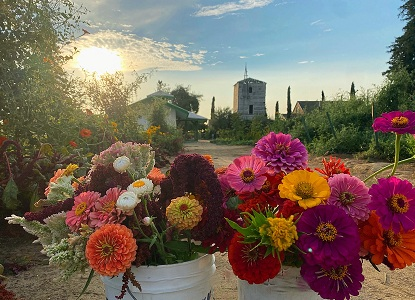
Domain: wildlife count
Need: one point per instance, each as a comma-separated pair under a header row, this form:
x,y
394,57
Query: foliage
x,y
33,86
403,49
185,99
289,109
110,94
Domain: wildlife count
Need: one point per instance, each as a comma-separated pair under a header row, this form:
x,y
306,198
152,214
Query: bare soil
x,y
31,278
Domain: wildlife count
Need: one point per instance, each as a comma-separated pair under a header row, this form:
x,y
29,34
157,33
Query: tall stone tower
x,y
249,97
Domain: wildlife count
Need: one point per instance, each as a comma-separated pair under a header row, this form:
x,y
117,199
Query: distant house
x,y
302,107
175,115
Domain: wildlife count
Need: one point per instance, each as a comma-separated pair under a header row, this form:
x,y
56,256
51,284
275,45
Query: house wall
x,y
249,98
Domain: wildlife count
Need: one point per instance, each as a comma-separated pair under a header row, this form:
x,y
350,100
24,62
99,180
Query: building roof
x,y
309,105
249,80
160,94
183,114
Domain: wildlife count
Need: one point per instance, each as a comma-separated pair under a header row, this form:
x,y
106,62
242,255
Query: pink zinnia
x,y
396,121
246,174
392,198
281,153
350,194
81,209
105,211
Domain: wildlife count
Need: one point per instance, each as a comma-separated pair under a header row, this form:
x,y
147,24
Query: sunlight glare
x,y
99,60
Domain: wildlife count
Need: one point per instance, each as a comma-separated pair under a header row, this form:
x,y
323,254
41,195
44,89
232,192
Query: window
x,y
251,109
250,89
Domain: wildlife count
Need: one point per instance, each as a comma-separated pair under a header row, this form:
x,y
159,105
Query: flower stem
x,y
397,150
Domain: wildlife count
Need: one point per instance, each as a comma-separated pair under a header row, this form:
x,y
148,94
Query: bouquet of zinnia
x,y
324,221
125,212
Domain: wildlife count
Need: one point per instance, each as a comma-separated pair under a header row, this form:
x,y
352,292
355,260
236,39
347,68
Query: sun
x,y
99,60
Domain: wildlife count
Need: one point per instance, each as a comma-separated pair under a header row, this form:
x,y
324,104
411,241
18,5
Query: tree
x,y
289,102
111,94
352,91
403,49
277,110
323,97
162,87
212,109
35,95
185,99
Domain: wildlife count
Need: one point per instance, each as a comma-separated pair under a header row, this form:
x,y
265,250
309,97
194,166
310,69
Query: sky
x,y
309,45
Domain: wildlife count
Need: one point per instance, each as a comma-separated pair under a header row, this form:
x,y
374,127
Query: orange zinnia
x,y
156,176
58,174
85,133
396,247
111,249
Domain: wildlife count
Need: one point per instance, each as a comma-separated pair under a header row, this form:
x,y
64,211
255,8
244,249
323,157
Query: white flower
x,y
147,221
121,164
143,186
127,201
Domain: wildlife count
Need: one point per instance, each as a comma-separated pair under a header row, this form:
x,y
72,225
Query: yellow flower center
x,y
70,169
400,122
398,203
304,190
106,249
392,239
247,175
80,208
326,232
347,198
336,273
108,206
138,183
282,147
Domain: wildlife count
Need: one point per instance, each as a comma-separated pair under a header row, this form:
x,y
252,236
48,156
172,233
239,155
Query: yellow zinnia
x,y
184,212
281,232
308,188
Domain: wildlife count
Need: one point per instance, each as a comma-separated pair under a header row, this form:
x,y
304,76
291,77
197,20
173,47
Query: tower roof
x,y
250,80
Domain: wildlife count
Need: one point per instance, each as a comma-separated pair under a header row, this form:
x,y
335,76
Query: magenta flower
x,y
246,174
105,210
281,153
337,283
396,121
351,194
392,199
329,236
83,203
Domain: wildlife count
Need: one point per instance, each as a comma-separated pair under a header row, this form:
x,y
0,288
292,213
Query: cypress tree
x,y
289,102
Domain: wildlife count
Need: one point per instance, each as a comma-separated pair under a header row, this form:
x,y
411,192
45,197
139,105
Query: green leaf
x,y
91,274
10,195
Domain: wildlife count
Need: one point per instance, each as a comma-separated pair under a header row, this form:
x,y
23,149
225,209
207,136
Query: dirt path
x,y
40,281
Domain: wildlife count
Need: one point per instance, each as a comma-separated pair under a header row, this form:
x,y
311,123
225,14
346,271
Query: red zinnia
x,y
111,249
332,167
85,133
249,262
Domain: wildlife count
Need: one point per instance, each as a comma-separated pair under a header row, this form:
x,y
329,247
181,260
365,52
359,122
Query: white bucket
x,y
190,280
287,285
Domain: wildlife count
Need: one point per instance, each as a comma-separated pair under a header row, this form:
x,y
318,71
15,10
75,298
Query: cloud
x,y
306,62
142,53
243,57
259,54
229,7
315,22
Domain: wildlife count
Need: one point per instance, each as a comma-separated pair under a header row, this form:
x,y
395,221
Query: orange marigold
x,y
111,249
85,133
208,158
395,247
